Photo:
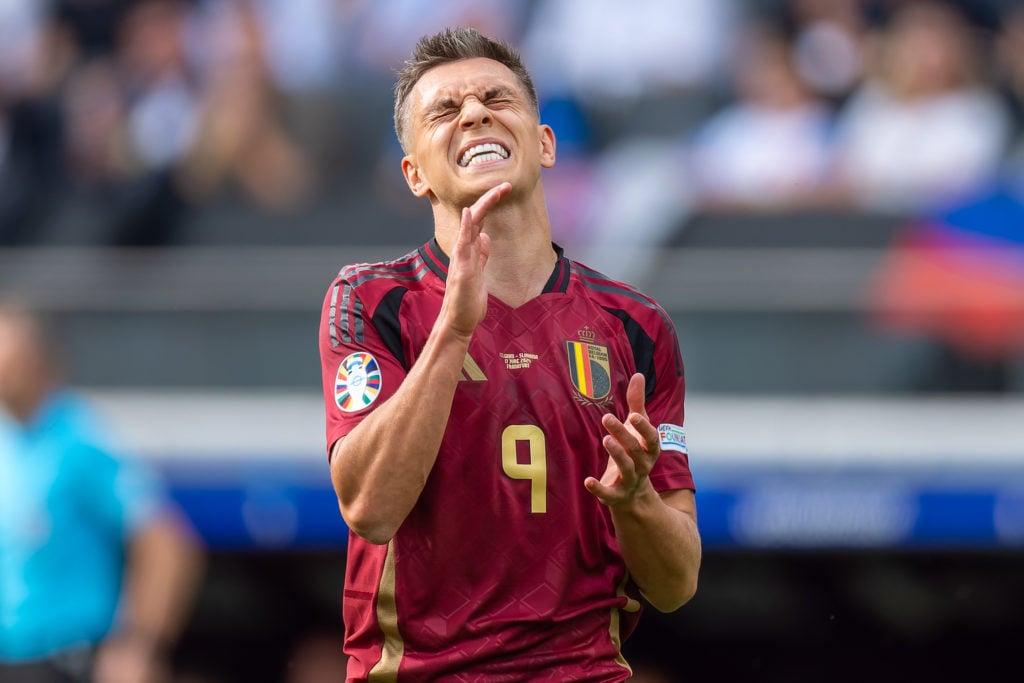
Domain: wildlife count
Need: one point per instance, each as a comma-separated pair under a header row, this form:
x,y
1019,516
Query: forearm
x,y
661,546
380,468
164,570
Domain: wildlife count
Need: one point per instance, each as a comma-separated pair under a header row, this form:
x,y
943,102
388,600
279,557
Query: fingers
x,y
465,299
633,447
619,481
637,434
468,230
647,432
623,459
606,494
608,487
487,202
620,433
471,222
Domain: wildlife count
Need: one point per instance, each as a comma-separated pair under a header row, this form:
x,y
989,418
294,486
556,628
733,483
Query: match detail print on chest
x,y
565,359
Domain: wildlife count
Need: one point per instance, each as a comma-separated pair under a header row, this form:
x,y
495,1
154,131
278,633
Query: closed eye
x,y
443,109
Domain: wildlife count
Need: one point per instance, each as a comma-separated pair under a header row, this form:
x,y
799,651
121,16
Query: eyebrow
x,y
497,91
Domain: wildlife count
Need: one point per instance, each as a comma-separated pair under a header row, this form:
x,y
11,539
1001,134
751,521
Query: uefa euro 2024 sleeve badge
x,y
358,382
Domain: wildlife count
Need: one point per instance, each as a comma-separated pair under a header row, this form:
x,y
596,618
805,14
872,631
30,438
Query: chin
x,y
477,188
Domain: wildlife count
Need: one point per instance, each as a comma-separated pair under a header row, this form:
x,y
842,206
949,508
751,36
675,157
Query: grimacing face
x,y
471,128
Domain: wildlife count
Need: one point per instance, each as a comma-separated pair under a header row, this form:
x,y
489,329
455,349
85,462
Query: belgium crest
x,y
589,370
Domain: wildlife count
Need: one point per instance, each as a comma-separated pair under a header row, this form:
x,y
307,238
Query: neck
x,y
26,406
521,257
517,272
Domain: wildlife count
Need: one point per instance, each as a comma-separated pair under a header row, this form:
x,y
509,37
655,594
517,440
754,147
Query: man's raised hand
x,y
465,300
633,447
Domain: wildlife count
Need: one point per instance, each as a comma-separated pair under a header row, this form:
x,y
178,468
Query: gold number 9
x,y
536,471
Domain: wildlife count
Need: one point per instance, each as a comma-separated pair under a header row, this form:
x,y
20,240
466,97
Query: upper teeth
x,y
489,151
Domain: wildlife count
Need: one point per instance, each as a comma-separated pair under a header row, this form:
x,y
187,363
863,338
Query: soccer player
x,y
504,425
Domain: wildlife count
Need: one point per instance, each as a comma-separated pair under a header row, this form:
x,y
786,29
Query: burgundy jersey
x,y
507,568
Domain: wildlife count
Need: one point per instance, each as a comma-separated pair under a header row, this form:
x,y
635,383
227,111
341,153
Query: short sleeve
x,y
665,408
361,353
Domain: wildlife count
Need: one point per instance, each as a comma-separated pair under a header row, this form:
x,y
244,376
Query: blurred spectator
x,y
161,120
829,44
240,142
29,167
161,91
304,41
97,568
26,47
130,117
301,42
771,147
924,127
95,128
33,59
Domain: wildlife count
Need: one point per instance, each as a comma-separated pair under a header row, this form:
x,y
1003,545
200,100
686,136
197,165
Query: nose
x,y
474,113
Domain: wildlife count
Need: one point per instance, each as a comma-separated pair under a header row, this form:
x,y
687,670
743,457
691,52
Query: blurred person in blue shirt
x,y
98,570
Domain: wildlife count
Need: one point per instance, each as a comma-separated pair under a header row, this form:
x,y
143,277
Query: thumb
x,y
636,394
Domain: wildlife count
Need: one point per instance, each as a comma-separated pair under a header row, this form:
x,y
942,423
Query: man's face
x,y
473,127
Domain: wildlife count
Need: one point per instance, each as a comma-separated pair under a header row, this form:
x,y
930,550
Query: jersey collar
x,y
437,261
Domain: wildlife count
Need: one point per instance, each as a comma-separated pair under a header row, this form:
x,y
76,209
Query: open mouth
x,y
481,154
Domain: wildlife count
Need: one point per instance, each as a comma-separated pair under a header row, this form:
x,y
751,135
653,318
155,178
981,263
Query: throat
x,y
515,282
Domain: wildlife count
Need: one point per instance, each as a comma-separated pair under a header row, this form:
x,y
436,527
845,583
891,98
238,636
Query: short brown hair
x,y
452,45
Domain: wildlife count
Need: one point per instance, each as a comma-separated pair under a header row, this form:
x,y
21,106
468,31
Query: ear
x,y
547,146
417,183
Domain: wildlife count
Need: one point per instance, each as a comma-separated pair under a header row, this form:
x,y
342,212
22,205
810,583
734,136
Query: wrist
x,y
143,640
644,498
447,333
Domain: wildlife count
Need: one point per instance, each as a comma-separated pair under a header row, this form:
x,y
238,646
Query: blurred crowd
x,y
141,111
